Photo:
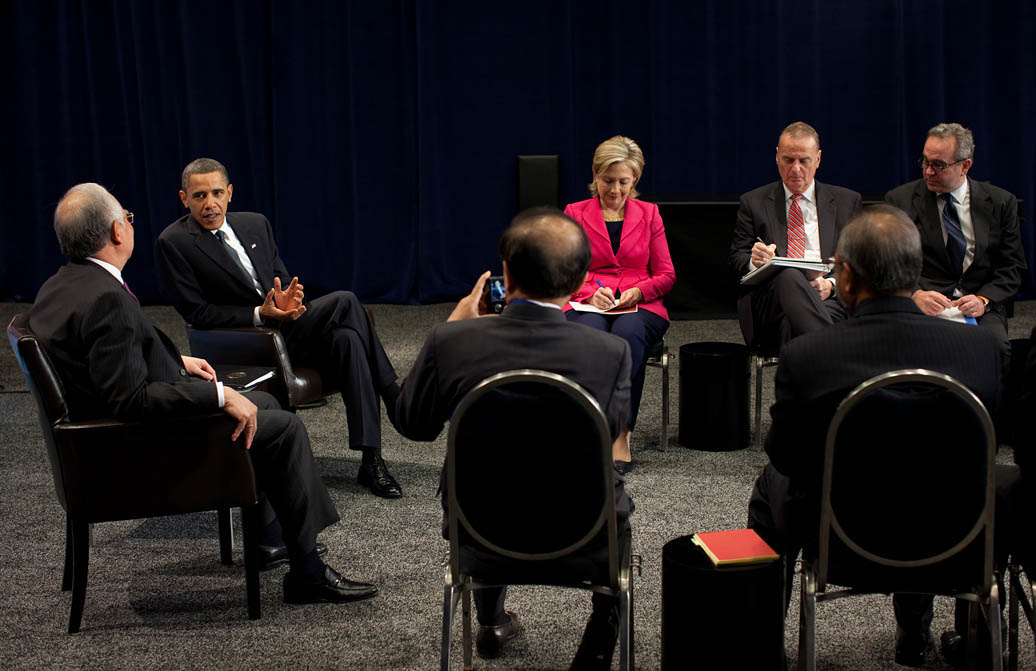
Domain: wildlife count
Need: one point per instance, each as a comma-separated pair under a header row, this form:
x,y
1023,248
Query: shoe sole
x,y
376,492
303,602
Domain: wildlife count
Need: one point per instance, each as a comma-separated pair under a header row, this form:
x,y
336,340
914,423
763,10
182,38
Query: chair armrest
x,y
247,346
125,470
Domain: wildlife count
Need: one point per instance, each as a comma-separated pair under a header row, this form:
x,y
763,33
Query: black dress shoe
x,y
333,588
912,650
598,644
489,641
624,467
375,475
955,650
270,556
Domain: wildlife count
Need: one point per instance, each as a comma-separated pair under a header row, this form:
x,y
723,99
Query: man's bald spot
x,y
557,236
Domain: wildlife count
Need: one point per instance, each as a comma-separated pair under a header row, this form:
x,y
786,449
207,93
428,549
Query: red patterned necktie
x,y
796,229
125,285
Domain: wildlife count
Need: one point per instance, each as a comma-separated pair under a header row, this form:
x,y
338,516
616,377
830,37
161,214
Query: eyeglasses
x,y
937,166
129,216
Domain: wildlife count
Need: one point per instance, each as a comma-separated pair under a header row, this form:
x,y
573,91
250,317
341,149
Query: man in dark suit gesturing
x,y
973,258
114,362
796,217
876,268
545,258
224,270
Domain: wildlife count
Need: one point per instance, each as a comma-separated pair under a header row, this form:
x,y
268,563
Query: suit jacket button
x,y
183,372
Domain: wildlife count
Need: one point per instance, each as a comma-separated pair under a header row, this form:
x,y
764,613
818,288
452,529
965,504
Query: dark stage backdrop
x,y
380,137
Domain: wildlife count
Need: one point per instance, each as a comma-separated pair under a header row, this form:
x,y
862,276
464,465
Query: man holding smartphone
x,y
545,258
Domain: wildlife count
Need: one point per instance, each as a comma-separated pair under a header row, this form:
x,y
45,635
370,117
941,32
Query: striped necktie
x,y
955,243
796,229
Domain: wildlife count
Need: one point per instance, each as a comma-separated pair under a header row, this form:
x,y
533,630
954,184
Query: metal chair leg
x,y
466,610
808,621
665,400
449,605
1013,593
992,613
757,364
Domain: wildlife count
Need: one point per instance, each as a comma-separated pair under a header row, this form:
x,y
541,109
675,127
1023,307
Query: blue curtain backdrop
x,y
380,137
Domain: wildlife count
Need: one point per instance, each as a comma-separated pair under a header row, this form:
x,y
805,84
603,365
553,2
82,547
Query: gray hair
x,y
883,247
800,129
965,140
202,166
83,220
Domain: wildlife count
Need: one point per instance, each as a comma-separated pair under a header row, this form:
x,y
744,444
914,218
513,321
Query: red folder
x,y
736,546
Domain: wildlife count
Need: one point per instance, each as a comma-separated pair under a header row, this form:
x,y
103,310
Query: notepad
x,y
736,546
243,378
812,269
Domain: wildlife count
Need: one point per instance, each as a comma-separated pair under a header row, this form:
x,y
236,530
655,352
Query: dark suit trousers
x,y
641,329
787,306
287,477
336,337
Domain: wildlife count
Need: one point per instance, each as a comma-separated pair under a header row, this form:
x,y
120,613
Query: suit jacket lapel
x,y
594,218
208,245
825,220
931,223
252,244
634,219
779,224
981,215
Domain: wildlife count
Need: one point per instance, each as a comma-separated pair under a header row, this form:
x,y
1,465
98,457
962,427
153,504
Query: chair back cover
x,y
907,493
529,468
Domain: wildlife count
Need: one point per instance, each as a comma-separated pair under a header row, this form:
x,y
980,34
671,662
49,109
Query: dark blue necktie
x,y
955,243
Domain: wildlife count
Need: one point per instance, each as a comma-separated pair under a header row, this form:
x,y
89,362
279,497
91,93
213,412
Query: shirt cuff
x,y
220,394
256,319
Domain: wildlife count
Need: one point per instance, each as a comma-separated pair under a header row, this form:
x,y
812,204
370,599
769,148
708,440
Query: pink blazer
x,y
643,260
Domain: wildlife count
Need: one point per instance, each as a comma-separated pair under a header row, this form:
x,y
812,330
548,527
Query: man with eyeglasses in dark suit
x,y
973,258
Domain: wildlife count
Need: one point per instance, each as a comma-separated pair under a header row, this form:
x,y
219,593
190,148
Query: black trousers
x,y
287,477
787,521
788,306
336,337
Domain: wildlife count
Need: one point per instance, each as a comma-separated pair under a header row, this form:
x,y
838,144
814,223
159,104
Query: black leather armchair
x,y
294,387
106,470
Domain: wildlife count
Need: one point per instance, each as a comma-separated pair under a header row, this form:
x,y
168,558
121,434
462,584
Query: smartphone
x,y
493,295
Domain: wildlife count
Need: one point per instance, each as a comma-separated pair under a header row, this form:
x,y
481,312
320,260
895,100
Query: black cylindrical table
x,y
726,617
714,396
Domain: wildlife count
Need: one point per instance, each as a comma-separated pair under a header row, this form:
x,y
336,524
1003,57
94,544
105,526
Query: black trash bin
x,y
729,617
714,396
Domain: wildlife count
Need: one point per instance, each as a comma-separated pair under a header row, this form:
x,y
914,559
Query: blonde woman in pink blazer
x,y
630,266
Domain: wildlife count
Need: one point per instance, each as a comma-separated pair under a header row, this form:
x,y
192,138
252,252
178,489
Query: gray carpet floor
x,y
158,597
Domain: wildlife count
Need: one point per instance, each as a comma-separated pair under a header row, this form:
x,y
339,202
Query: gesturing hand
x,y
244,411
283,305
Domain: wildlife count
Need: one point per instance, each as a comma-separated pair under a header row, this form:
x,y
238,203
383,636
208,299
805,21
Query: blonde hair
x,y
618,149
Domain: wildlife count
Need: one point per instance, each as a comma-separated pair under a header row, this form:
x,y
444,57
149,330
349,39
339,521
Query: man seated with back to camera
x,y
877,265
546,257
